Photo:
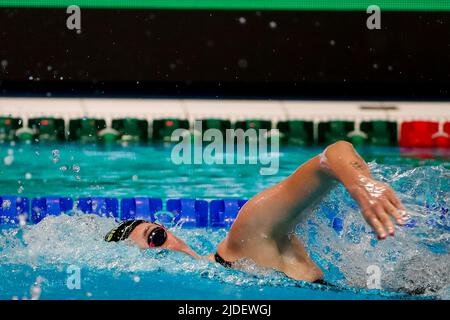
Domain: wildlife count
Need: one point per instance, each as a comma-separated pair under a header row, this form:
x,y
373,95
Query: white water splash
x,y
415,259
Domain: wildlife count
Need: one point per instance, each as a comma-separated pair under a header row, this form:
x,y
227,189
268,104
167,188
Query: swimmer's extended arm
x,y
377,200
276,211
263,229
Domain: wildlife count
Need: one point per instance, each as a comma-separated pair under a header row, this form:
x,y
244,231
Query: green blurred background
x,y
423,5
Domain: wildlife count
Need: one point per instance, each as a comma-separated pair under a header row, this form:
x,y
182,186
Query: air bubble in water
x,y
242,20
136,279
76,168
135,178
273,24
20,190
28,176
63,168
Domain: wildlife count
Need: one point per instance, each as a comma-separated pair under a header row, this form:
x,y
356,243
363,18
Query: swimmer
x,y
264,230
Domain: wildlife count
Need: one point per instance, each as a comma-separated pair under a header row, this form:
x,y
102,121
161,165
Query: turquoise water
x,y
35,259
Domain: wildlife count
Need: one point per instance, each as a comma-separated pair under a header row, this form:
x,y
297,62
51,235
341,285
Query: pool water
x,y
38,261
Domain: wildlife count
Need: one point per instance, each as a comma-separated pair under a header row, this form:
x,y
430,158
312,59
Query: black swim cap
x,y
123,230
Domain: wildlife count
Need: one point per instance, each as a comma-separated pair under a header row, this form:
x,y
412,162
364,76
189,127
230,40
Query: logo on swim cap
x,y
122,231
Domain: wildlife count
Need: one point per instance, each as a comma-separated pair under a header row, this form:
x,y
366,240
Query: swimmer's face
x,y
140,237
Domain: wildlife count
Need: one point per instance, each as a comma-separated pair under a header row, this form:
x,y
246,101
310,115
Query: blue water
x,y
34,260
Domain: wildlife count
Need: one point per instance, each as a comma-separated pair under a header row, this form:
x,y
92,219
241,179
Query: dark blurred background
x,y
225,53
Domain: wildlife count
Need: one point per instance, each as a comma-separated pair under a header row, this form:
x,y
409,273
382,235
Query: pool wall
x,y
408,124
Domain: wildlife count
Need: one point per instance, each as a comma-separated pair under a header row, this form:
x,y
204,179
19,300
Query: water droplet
x,y
55,155
272,24
4,64
242,63
332,42
23,220
8,160
36,290
242,20
6,204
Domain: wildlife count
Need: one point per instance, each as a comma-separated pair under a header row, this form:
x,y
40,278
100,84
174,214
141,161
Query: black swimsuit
x,y
222,261
229,265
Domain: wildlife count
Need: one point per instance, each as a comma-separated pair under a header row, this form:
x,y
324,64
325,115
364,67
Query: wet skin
x,y
264,229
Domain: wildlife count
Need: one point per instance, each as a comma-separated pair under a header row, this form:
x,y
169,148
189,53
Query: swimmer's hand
x,y
379,204
377,200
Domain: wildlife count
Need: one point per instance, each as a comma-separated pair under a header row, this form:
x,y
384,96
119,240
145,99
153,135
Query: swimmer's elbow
x,y
332,154
341,145
334,150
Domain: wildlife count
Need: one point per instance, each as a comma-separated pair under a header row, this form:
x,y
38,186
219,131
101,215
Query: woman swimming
x,y
264,228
